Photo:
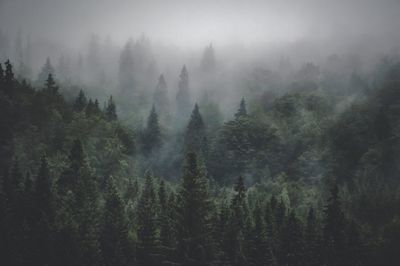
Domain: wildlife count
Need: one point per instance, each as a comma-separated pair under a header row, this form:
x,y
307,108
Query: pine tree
x,y
262,251
44,220
183,102
160,98
151,138
312,254
111,110
9,75
69,178
334,230
234,243
51,84
46,70
9,81
115,245
293,241
80,102
126,69
83,206
242,111
1,75
196,135
208,61
147,223
193,214
165,230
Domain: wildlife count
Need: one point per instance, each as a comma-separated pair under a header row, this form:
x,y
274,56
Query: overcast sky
x,y
194,23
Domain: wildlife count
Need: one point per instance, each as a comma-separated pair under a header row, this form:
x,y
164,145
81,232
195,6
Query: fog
x,y
84,40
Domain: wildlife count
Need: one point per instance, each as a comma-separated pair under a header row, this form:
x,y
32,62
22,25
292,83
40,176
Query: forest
x,y
147,154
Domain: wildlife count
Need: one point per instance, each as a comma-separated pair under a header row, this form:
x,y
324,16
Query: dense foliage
x,y
289,180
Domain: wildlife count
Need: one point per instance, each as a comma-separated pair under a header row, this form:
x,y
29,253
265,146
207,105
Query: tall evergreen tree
x,y
166,237
51,84
293,244
242,111
80,102
45,71
151,138
111,110
1,74
126,70
196,135
147,223
208,61
160,98
311,238
44,220
334,230
234,243
193,214
183,101
115,245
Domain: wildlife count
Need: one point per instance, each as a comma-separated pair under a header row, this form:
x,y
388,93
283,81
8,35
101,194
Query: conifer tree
x,y
208,61
115,245
311,239
160,98
80,102
9,80
69,179
44,220
164,221
46,70
334,229
293,245
1,74
111,110
147,223
9,75
183,102
263,250
193,214
234,243
196,137
126,69
242,111
151,138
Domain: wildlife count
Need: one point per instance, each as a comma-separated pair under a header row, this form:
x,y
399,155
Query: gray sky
x,y
194,23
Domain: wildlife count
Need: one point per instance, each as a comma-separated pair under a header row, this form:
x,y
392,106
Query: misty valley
x,y
186,145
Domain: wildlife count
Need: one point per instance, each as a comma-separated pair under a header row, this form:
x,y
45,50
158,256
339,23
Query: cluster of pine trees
x,y
68,195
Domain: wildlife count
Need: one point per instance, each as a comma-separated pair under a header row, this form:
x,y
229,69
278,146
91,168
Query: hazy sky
x,y
194,23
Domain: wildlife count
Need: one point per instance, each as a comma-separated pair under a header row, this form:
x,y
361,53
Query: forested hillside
x,y
304,175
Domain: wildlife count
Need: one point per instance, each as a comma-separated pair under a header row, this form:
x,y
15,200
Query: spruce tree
x,y
115,245
196,135
193,214
45,214
311,238
208,61
234,243
160,98
45,71
334,229
111,110
242,111
147,223
165,230
1,75
293,245
80,102
183,102
69,178
151,138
